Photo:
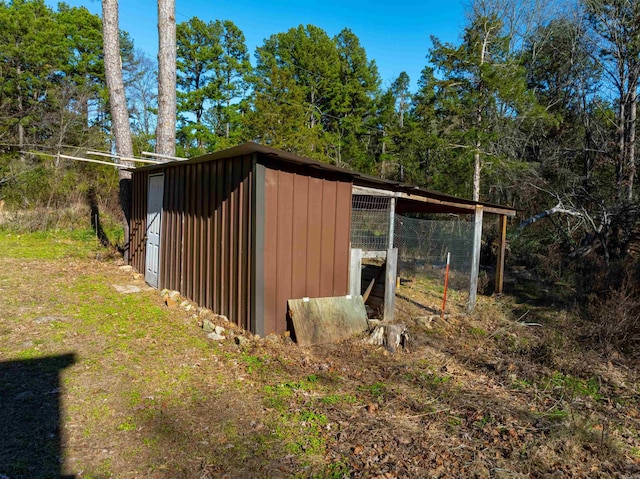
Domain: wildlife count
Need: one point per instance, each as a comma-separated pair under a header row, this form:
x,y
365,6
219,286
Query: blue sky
x,y
395,34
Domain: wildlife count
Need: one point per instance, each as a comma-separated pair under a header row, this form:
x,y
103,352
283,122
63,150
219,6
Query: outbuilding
x,y
243,230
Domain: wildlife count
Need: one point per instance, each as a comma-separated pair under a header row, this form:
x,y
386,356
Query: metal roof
x,y
403,191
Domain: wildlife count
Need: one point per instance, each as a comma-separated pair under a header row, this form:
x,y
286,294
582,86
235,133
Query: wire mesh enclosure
x,y
370,222
423,245
422,242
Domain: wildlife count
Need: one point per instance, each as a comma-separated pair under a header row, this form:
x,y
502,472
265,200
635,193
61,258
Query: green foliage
x,y
52,92
571,386
278,396
213,65
127,425
338,399
479,95
378,390
314,95
311,441
337,470
33,51
254,363
432,380
48,245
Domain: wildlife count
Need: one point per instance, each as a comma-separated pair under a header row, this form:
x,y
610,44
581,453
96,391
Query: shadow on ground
x,y
30,441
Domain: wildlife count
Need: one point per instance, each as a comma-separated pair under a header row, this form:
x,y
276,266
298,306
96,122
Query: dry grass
x,y
121,386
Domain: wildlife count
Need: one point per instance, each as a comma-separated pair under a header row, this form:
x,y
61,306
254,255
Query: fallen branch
x,y
559,208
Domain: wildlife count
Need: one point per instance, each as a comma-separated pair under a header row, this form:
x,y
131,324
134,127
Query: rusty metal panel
x,y
173,261
256,258
306,238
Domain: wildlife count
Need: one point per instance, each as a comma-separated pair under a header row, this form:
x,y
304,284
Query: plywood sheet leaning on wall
x,y
327,320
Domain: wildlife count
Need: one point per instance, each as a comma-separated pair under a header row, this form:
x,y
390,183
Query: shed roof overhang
x,y
411,198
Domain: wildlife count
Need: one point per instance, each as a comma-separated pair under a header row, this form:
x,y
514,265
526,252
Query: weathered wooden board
x,y
327,320
376,295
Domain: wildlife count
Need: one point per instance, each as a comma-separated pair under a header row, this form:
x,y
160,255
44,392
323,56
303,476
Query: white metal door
x,y
154,221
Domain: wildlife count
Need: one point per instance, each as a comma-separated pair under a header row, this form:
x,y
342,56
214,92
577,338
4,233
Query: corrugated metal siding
x,y
206,234
306,240
138,221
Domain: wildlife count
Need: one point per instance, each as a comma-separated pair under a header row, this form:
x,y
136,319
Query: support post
x,y
475,261
256,321
392,222
390,284
501,254
355,272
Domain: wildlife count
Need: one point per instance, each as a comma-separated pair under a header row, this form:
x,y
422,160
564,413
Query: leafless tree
x,y
616,33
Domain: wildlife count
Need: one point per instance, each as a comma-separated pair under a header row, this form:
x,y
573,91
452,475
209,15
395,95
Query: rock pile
x,y
217,326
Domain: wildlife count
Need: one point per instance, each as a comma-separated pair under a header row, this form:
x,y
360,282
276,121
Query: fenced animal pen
x,y
423,242
242,231
397,233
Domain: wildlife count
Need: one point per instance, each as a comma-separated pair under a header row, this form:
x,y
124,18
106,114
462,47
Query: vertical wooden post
x,y
355,272
390,284
475,261
501,253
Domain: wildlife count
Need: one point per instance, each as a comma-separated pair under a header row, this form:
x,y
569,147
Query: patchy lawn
x,y
95,384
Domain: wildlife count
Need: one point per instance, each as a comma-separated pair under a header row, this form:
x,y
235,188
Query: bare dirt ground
x,y
95,383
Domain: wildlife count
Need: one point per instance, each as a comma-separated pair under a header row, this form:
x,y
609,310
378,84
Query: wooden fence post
x,y
392,222
390,284
501,253
355,272
475,261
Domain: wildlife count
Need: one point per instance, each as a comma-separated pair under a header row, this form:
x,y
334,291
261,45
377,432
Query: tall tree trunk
x,y
227,125
166,129
119,114
477,166
587,154
477,160
631,127
21,111
621,132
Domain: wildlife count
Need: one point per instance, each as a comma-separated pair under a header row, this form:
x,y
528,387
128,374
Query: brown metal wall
x,y
306,240
206,233
207,237
138,221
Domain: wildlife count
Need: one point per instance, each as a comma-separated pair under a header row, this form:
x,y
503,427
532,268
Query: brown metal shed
x,y
243,230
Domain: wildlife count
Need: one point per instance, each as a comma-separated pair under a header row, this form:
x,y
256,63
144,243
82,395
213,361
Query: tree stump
x,y
391,336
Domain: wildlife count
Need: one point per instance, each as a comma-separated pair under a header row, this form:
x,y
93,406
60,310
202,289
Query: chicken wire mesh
x,y
422,243
370,222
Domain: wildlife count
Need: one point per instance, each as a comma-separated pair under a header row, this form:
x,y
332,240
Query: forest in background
x,y
534,107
